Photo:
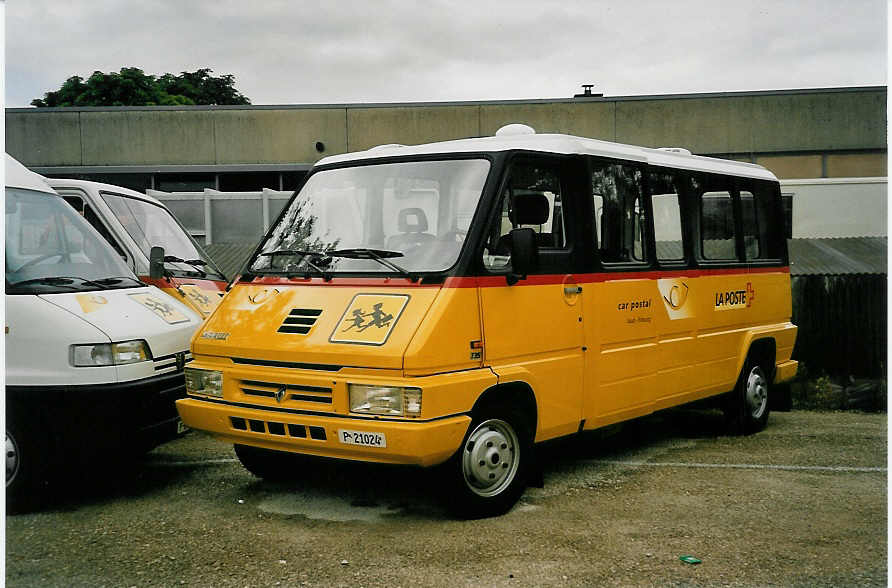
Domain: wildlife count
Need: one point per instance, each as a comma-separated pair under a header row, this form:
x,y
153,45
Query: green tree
x,y
133,87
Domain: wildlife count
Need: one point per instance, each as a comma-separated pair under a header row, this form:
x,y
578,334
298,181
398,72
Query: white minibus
x,y
135,224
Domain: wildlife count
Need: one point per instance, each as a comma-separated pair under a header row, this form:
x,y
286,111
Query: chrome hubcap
x,y
12,459
756,392
490,457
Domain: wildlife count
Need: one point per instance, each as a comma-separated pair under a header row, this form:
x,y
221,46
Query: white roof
x,y
19,176
562,144
99,186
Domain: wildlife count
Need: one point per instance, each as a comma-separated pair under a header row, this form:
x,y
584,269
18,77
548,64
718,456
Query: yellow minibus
x,y
453,304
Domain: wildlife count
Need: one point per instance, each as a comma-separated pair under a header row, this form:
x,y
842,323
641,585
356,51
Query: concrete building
x,y
817,133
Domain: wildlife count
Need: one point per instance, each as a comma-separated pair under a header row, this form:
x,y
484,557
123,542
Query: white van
x,y
94,357
134,224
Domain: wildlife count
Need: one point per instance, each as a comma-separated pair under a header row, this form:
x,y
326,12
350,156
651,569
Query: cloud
x,y
389,50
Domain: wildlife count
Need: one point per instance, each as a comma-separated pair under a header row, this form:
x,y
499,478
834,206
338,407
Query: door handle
x,y
569,290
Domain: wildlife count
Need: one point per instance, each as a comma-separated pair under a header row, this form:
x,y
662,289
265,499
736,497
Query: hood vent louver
x,y
300,320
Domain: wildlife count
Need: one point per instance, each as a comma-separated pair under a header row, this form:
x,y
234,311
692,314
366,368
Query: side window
x,y
532,198
665,188
751,242
717,225
718,239
87,212
620,218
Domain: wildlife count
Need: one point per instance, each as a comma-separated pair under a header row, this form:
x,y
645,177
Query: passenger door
x,y
532,329
620,365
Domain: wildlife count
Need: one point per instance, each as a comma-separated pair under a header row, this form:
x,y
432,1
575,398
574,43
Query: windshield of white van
x,y
150,225
51,248
413,215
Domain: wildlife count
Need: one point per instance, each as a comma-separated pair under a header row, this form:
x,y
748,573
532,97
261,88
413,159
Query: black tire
x,y
488,473
27,467
747,406
274,466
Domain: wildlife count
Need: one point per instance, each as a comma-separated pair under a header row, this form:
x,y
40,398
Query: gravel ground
x,y
802,503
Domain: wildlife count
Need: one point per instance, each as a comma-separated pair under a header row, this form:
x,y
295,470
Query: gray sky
x,y
301,51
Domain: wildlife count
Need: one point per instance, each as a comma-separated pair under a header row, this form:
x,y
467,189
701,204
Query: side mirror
x,y
156,263
524,254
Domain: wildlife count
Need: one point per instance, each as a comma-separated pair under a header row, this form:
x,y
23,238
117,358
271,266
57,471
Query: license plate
x,y
181,427
362,438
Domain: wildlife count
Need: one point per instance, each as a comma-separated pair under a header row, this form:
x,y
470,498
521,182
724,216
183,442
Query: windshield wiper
x,y
195,263
67,281
304,256
379,255
117,280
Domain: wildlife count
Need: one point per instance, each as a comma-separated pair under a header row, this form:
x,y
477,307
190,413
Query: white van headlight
x,y
207,382
103,354
385,400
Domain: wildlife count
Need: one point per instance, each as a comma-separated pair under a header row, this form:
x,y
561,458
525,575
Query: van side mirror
x,y
524,254
156,263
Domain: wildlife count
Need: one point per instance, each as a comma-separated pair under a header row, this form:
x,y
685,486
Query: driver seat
x,y
412,227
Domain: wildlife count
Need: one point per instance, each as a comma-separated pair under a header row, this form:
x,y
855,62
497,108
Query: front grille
x,y
167,364
300,320
279,429
286,392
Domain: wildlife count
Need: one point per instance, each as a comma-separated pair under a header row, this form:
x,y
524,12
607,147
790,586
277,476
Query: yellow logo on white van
x,y
164,310
91,302
675,294
369,319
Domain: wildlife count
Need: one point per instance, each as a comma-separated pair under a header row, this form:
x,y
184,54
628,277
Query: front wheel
x,y
26,468
489,470
747,407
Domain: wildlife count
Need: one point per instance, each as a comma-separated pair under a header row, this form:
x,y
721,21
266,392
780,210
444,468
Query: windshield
x,y
415,215
54,249
150,225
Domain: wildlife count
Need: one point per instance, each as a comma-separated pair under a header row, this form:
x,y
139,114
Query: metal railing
x,y
225,217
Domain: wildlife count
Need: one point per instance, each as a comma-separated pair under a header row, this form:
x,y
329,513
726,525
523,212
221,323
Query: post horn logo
x,y
263,295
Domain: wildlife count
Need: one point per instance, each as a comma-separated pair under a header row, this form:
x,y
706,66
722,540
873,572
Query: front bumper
x,y
424,442
785,371
126,416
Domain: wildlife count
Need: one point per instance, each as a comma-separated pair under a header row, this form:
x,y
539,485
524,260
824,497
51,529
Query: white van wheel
x,y
12,459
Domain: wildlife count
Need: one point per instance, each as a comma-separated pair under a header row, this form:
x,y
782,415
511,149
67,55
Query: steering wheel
x,y
40,258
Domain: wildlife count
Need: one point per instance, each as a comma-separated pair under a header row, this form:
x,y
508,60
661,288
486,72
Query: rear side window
x,y
762,219
717,225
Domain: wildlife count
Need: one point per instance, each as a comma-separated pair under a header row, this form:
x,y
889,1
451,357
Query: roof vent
x,y
679,150
587,92
515,129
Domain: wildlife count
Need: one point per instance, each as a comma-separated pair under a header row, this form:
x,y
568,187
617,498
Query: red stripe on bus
x,y
533,280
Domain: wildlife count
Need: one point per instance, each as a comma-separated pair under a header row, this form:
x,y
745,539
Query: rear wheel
x,y
489,470
747,407
275,466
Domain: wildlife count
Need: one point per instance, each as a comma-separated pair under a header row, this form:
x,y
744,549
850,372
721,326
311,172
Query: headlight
x,y
207,382
385,400
110,353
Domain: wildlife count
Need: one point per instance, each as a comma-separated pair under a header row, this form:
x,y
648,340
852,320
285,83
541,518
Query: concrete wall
x,y
797,133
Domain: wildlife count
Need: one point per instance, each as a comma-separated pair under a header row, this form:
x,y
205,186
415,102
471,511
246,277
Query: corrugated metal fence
x,y
842,324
